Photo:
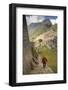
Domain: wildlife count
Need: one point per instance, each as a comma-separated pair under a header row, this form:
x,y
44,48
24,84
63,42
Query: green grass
x,y
51,55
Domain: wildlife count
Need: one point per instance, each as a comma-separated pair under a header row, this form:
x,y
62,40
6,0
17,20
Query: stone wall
x,y
27,54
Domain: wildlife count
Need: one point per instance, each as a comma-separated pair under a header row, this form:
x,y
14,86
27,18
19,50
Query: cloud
x,y
34,19
53,21
37,18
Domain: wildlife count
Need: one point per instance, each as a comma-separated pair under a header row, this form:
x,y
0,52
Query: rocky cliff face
x,y
27,55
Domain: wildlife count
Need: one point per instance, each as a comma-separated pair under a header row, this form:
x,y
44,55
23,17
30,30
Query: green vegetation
x,y
51,55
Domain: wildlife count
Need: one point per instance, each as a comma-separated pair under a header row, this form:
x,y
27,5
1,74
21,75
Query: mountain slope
x,y
35,29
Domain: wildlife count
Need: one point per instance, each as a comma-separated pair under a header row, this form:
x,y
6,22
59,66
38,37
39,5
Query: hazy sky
x,y
37,18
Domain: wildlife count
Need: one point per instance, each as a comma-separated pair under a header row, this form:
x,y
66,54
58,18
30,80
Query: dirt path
x,y
41,70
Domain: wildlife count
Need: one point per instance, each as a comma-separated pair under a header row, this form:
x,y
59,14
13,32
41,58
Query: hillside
x,y
35,29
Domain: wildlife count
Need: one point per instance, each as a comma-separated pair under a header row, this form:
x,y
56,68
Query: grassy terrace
x,y
51,55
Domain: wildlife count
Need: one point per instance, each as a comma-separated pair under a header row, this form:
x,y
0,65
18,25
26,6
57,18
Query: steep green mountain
x,y
35,29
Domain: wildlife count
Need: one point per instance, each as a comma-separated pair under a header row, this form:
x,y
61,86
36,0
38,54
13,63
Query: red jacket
x,y
44,60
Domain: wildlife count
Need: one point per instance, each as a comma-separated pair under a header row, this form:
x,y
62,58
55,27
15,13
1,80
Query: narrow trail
x,y
40,70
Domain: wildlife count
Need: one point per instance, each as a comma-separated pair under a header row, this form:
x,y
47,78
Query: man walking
x,y
44,61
